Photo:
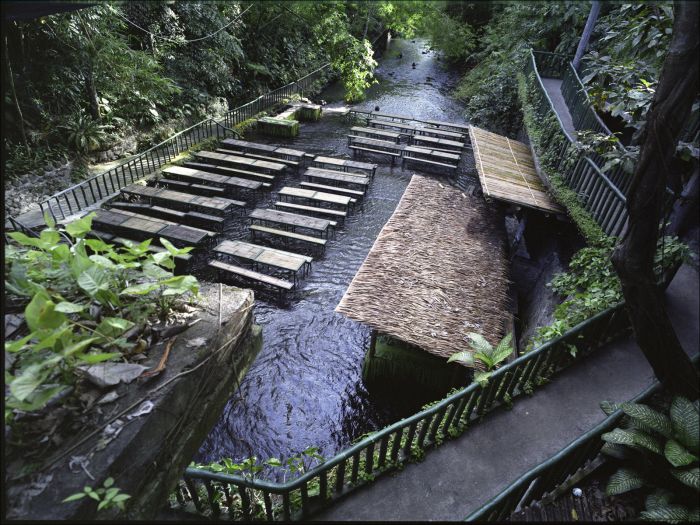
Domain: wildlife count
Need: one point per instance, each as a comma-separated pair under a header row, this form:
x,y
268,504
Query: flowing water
x,y
305,387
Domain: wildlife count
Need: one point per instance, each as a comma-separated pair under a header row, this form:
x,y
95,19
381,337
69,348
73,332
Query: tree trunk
x,y
685,207
587,31
92,94
11,80
633,257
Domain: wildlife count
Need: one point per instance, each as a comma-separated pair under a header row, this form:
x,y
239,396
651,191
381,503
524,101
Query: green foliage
x,y
622,71
81,296
108,496
659,451
484,356
591,285
454,38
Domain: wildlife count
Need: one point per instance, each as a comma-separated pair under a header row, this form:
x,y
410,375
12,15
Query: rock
x,y
110,374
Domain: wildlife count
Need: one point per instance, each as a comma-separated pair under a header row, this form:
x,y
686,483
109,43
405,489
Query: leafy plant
x,y
108,496
484,355
659,453
82,296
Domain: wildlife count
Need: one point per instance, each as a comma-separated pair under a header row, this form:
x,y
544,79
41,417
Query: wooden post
x,y
585,37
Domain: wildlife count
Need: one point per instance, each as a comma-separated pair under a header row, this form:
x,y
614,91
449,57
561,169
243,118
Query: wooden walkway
x,y
507,171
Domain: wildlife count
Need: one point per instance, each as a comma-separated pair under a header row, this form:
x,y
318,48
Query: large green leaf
x,y
623,481
686,423
140,289
690,477
479,343
28,381
79,346
16,346
80,227
463,357
41,313
50,238
42,395
113,326
677,455
609,407
25,240
659,498
94,279
666,513
99,358
503,350
649,417
67,307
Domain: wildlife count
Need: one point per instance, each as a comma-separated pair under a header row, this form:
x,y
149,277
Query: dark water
x,y
305,387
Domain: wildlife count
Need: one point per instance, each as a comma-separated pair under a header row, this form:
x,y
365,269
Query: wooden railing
x,y
228,496
546,479
96,189
596,192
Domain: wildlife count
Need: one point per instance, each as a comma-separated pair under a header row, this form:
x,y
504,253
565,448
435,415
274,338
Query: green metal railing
x,y
596,192
98,188
239,497
547,477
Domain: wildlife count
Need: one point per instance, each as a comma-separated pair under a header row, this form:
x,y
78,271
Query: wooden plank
x,y
346,178
290,219
291,235
233,172
314,195
250,274
333,189
240,161
213,178
312,209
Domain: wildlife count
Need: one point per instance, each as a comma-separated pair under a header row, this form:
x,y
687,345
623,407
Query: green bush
x,y
80,306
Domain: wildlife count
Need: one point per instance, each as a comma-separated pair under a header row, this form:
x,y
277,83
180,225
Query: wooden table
x,y
250,163
404,129
388,116
318,196
290,219
438,142
288,153
141,227
464,128
442,155
346,164
375,133
217,205
432,132
347,178
180,173
291,262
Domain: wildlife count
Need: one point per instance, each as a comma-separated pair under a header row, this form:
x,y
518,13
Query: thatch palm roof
x,y
436,272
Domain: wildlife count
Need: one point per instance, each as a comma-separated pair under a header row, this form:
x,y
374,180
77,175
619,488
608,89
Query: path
x,y
553,88
461,475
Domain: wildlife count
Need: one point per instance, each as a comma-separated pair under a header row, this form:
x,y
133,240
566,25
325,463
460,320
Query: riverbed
x,y
305,388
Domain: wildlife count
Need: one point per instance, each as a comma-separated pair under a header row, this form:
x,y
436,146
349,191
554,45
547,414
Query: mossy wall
x,y
275,127
398,364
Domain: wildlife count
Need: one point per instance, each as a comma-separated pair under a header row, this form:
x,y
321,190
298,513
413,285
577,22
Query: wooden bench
x,y
280,284
321,211
234,172
187,187
209,220
429,162
291,163
289,235
174,184
356,194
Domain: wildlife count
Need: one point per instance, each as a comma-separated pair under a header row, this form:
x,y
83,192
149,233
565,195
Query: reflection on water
x,y
305,388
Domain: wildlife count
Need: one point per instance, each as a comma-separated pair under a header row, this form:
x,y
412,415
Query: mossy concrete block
x,y
277,127
149,453
309,112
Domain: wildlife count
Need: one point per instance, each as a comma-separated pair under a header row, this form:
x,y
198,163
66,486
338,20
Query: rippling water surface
x,y
305,387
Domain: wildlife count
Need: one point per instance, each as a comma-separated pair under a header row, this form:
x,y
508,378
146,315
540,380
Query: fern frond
x,y
463,357
479,343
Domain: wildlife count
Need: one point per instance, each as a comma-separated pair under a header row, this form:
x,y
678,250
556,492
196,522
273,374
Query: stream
x,y
305,387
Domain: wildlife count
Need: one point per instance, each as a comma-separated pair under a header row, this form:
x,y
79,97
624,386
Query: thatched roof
x,y
436,272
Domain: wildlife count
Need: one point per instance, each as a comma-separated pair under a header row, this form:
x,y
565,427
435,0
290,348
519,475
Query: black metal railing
x,y
596,192
230,496
98,188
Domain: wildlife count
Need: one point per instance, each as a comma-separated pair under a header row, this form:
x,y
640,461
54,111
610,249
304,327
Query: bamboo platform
x,y
507,171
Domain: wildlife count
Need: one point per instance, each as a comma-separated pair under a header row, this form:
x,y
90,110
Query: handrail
x,y
549,475
102,186
600,196
424,429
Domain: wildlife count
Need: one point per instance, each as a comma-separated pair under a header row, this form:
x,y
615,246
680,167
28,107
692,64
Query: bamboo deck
x,y
507,171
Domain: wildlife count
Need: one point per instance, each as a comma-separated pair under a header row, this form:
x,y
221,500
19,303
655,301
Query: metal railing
x,y
548,477
239,497
98,188
596,192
